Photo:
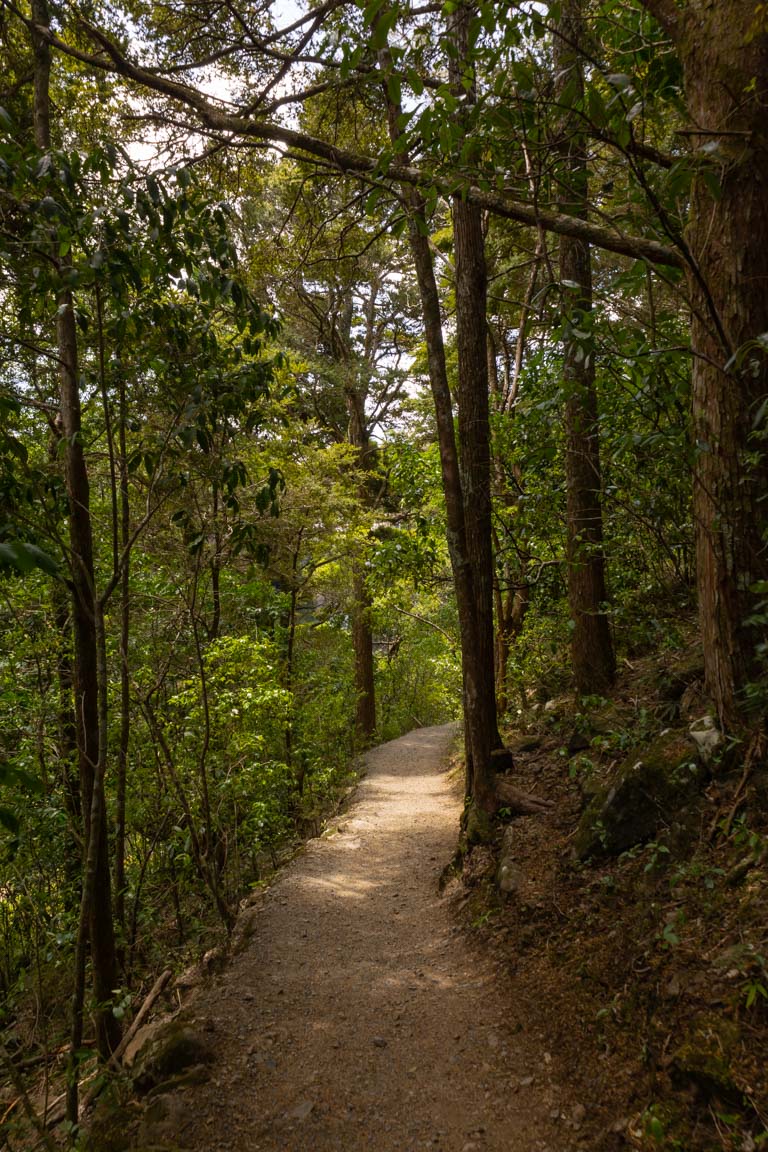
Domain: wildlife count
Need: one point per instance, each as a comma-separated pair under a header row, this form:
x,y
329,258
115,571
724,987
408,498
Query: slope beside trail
x,y
357,1017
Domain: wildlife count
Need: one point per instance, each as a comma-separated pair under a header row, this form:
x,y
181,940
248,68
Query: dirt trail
x,y
358,1017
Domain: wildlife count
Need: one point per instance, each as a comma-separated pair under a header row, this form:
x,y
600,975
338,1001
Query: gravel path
x,y
357,1017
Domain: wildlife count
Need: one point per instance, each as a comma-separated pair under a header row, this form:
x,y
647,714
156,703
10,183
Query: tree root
x,y
519,802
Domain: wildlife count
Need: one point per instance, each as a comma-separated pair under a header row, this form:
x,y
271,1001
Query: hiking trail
x,y
358,1017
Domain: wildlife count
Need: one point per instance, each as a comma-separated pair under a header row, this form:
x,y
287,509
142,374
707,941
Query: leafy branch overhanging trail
x,y
214,119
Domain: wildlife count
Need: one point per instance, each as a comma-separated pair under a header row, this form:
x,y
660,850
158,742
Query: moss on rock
x,y
650,789
704,1057
175,1050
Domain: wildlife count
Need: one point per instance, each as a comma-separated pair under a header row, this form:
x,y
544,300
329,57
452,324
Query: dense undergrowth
x,y
234,759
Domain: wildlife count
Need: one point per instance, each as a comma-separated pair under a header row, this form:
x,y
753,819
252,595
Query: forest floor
x,y
601,1005
358,1014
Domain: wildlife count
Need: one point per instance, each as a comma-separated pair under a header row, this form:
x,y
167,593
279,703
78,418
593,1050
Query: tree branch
x,y
430,623
667,14
213,117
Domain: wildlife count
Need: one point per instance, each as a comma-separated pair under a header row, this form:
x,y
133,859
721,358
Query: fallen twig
x,y
138,1020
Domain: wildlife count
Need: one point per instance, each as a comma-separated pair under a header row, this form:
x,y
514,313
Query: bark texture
x,y
724,52
594,664
471,281
362,632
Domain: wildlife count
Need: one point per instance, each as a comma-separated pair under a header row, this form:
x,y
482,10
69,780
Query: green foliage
x,y
24,558
229,439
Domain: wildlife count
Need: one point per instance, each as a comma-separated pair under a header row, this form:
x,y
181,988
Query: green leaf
x,y
25,557
9,821
415,81
381,32
596,108
372,200
394,89
371,10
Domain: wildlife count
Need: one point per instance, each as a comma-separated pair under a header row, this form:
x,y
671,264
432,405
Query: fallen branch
x,y
140,1017
57,1109
138,1020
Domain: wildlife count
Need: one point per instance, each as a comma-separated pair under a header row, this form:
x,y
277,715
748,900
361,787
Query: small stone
x,y
301,1110
379,1042
672,989
554,1114
547,1058
579,1114
707,737
526,1081
248,996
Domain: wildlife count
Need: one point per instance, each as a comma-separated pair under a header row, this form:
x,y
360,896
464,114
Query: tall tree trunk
x,y
511,590
96,916
474,441
477,741
125,685
362,642
726,78
362,632
723,47
67,718
592,655
511,609
67,732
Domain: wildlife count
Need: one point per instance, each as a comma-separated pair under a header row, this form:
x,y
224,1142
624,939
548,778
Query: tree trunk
x,y
511,609
362,633
362,640
594,664
479,738
125,684
475,449
67,752
96,921
726,79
